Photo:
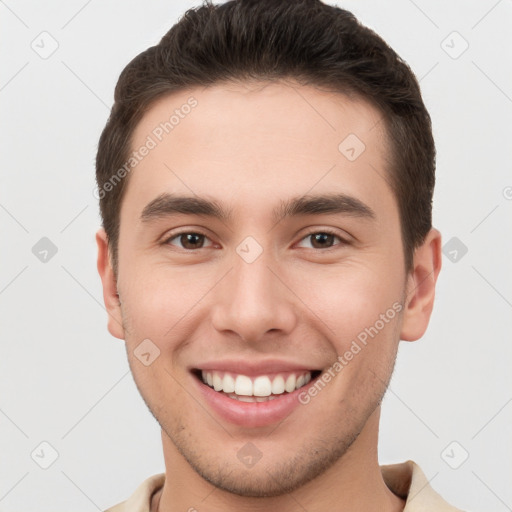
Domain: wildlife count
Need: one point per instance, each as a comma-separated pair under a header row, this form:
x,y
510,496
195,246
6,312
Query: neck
x,y
353,483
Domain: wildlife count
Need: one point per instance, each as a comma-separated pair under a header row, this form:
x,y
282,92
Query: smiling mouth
x,y
261,388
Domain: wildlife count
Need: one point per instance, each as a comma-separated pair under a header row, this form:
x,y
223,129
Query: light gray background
x,y
65,381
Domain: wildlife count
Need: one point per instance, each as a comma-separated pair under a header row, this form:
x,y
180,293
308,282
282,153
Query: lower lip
x,y
252,414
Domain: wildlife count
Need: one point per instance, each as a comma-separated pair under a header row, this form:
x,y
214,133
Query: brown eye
x,y
189,241
192,240
321,240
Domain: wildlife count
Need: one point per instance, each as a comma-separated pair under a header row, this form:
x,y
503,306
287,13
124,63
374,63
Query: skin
x,y
248,147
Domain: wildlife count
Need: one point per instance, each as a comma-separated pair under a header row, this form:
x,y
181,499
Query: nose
x,y
254,300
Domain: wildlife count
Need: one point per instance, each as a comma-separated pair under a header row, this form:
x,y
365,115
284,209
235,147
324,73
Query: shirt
x,y
406,480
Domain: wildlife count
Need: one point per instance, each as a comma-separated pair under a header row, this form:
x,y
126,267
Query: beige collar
x,y
406,480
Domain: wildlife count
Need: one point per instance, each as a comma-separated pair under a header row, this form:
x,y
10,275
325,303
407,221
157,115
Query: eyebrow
x,y
166,205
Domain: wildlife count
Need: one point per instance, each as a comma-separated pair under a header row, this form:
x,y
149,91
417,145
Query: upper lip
x,y
251,368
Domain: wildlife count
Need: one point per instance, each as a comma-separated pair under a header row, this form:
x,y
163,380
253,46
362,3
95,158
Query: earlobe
x,y
421,285
108,281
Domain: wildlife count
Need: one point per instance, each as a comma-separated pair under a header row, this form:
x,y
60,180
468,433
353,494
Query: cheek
x,y
359,313
158,298
351,300
357,310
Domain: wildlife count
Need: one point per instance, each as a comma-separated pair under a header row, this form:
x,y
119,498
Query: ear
x,y
421,286
108,281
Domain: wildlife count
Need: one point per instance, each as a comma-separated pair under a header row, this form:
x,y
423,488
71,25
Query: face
x,y
260,251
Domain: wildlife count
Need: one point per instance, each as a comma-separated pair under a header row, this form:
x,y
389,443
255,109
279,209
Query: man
x,y
265,183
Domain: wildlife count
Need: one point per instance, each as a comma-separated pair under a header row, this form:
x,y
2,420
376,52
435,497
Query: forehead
x,y
258,142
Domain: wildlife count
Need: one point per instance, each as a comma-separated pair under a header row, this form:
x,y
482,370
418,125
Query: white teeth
x,y
246,398
260,387
278,385
290,383
251,398
217,382
228,384
243,385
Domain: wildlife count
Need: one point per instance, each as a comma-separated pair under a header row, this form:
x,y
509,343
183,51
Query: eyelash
x,y
342,241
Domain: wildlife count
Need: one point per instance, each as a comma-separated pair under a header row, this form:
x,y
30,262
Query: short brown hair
x,y
266,40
